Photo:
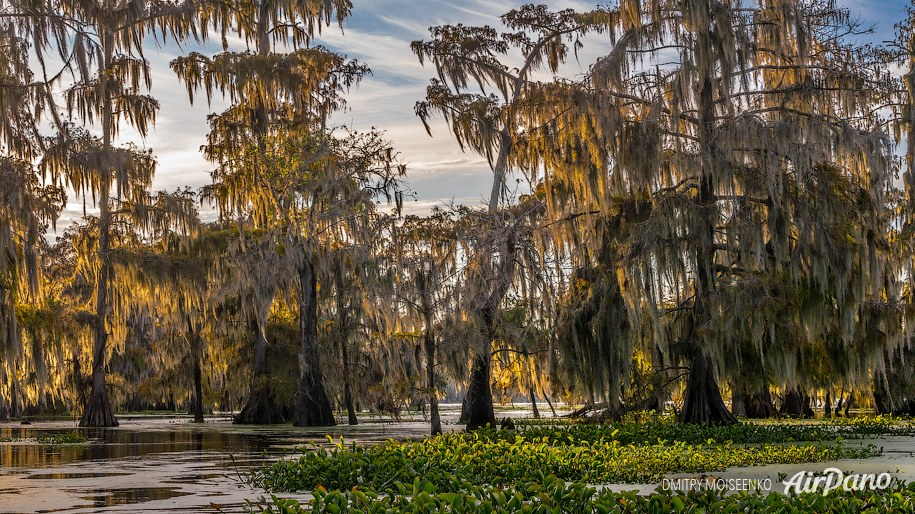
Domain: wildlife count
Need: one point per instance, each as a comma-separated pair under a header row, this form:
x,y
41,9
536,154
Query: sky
x,y
378,33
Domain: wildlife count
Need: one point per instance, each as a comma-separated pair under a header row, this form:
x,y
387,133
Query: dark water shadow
x,y
69,476
115,497
107,444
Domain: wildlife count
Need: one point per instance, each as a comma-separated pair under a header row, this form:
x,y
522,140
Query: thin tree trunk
x,y
196,351
343,335
312,407
98,412
548,402
827,408
534,402
436,422
429,346
260,409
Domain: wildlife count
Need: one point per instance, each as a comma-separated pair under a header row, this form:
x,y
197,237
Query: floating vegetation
x,y
587,453
551,494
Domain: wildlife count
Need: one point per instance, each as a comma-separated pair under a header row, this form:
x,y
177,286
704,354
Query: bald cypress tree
x,y
102,45
275,96
481,95
747,133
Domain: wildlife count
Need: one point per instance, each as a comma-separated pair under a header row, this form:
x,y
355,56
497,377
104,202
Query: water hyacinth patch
x,y
551,495
577,453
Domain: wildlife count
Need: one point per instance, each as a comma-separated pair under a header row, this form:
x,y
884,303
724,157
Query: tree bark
x,y
312,407
196,351
797,404
702,403
98,412
478,402
260,409
759,404
534,402
343,335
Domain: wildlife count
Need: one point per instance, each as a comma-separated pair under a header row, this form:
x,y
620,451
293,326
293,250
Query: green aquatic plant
x,y
454,461
551,494
57,439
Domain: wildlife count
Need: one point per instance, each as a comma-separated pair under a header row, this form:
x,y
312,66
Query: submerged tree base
x,y
260,410
312,408
702,402
98,412
477,409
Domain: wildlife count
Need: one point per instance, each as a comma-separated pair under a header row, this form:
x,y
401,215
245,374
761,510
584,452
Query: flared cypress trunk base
x,y
477,410
756,405
312,407
98,412
702,402
759,405
797,405
260,409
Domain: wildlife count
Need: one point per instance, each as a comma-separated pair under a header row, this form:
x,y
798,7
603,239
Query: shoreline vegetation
x,y
563,464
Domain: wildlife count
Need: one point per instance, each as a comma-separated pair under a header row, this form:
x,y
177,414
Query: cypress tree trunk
x,y
827,408
260,409
738,407
702,402
436,422
797,404
343,335
759,404
98,412
534,402
312,407
347,395
196,351
478,409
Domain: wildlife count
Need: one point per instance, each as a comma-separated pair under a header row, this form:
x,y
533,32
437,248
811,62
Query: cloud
x,y
379,34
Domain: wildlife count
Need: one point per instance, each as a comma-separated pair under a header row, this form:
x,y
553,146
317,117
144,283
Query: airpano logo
x,y
833,478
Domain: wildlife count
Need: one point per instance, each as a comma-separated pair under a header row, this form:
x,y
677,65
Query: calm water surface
x,y
154,464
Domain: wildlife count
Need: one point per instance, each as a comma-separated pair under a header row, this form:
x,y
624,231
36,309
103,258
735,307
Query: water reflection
x,y
105,444
114,497
71,476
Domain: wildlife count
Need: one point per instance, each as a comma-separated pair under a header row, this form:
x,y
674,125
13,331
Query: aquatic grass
x,y
59,439
454,461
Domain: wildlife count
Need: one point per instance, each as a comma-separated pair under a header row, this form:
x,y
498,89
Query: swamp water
x,y
167,464
156,464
